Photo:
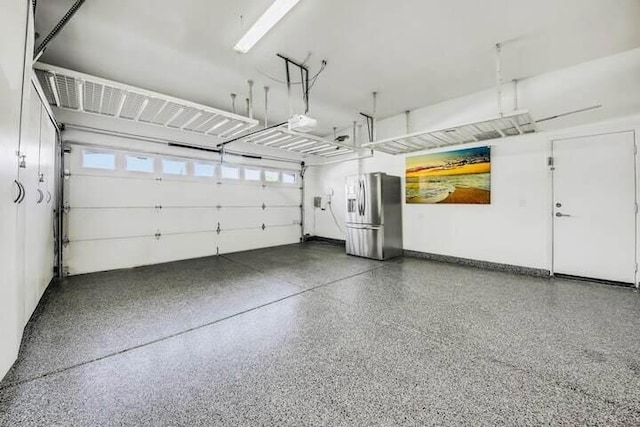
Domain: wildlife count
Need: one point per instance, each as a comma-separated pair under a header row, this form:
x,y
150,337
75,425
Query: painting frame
x,y
460,176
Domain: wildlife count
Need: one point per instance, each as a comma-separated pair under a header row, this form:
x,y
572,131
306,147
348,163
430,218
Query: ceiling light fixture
x,y
276,11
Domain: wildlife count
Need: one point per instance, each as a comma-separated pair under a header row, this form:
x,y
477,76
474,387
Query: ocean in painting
x,y
461,176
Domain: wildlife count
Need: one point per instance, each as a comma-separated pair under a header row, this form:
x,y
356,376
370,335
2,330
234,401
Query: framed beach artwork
x,y
460,176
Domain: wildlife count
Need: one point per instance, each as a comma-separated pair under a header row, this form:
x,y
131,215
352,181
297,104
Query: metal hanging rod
x,y
371,119
370,125
304,75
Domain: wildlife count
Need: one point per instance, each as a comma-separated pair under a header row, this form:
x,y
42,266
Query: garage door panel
x,y
275,195
275,236
240,218
114,215
106,223
102,255
188,193
239,240
281,216
98,191
186,246
238,195
187,220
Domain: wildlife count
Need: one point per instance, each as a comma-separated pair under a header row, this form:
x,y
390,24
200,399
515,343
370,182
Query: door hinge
x,y
66,149
66,208
550,162
636,267
65,241
66,174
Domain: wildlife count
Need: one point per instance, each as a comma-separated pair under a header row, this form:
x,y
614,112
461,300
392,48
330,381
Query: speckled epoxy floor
x,y
305,335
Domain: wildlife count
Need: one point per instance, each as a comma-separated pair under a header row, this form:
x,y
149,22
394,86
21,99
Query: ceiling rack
x,y
511,124
70,90
280,137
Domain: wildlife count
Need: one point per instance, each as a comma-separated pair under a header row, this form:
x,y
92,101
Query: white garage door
x,y
126,209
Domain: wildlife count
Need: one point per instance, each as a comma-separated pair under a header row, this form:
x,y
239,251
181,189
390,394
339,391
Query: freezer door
x,y
364,199
365,241
371,199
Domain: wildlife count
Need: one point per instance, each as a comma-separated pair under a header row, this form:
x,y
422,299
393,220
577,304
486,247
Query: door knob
x,y
560,214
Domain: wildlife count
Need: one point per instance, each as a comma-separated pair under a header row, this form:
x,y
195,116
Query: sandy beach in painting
x,y
462,177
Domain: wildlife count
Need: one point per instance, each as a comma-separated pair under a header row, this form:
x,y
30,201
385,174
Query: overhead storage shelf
x,y
70,90
284,139
512,124
75,91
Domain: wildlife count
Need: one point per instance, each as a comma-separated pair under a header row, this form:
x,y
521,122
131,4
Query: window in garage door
x,y
252,174
136,163
204,170
98,160
230,172
174,167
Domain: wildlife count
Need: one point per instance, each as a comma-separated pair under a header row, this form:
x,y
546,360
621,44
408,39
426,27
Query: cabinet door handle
x,y
24,193
48,196
40,196
15,181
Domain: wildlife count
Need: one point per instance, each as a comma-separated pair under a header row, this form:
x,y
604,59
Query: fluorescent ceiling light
x,y
276,11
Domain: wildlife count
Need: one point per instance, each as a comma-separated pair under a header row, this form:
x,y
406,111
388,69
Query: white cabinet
x,y
13,20
35,213
27,153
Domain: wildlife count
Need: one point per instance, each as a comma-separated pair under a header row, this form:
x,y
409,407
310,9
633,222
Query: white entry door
x,y
594,207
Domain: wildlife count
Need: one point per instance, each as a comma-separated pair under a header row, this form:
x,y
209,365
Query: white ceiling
x,y
413,52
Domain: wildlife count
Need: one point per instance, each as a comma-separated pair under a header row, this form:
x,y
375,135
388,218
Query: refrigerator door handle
x,y
364,198
360,197
364,227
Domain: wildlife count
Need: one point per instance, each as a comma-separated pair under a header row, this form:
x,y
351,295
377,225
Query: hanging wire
x,y
312,80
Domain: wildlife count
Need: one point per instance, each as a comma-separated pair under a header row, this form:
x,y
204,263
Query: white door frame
x,y
635,193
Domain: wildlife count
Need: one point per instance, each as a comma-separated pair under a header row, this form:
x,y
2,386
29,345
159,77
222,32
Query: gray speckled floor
x,y
305,335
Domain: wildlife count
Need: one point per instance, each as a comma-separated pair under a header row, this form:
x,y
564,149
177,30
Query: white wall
x,y
26,243
516,228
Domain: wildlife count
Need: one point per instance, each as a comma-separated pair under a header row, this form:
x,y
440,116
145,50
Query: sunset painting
x,y
461,176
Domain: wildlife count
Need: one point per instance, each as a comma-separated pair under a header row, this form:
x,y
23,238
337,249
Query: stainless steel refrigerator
x,y
374,215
